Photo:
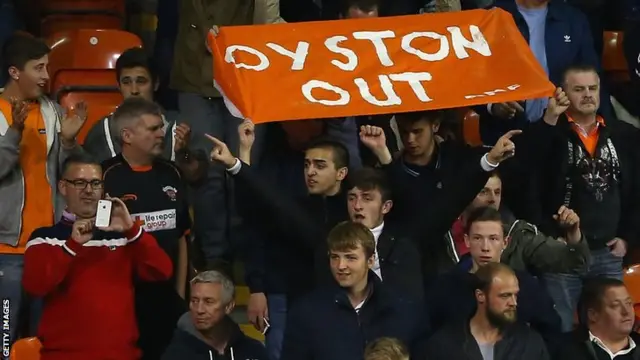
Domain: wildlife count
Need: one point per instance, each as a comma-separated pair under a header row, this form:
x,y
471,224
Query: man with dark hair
x,y
336,321
279,271
494,331
440,177
606,330
137,77
85,274
357,9
528,248
35,138
588,163
155,191
450,297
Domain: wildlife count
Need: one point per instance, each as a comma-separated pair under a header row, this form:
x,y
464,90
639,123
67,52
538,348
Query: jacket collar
x,y
378,294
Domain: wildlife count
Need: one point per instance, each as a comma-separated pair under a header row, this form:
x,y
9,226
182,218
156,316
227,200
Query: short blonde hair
x,y
386,349
348,235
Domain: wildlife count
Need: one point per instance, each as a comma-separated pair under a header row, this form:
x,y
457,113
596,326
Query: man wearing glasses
x,y
85,273
155,191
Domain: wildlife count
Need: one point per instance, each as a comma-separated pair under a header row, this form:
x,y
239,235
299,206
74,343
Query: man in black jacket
x,y
493,332
207,332
607,331
336,321
589,164
433,182
451,297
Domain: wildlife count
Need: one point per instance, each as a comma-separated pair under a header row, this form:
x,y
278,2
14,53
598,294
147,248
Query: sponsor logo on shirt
x,y
171,192
157,220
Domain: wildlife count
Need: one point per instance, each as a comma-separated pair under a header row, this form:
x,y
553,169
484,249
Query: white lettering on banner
x,y
309,86
157,220
414,80
387,88
264,60
493,92
455,40
332,45
376,38
299,57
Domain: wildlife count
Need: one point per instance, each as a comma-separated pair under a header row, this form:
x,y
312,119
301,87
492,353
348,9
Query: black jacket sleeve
x,y
279,209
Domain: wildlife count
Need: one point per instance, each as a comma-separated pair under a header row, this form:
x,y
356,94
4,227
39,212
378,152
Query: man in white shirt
x,y
607,318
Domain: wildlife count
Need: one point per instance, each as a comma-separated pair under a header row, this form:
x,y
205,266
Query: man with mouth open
x,y
451,297
35,138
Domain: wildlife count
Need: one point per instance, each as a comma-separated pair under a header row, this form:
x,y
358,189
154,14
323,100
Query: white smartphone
x,y
266,326
103,215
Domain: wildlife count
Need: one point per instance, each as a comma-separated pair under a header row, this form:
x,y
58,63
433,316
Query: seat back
x,y
471,128
56,23
614,62
632,282
82,67
84,7
26,349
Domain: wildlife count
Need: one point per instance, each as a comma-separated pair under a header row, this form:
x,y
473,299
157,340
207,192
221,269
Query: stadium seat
x,y
82,67
26,349
632,282
242,295
62,15
614,62
251,332
471,128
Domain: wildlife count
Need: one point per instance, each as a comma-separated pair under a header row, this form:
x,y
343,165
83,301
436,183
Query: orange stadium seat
x,y
82,67
614,62
61,15
632,282
471,128
26,349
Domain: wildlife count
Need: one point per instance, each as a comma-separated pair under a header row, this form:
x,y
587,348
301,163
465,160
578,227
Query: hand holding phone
x,y
103,215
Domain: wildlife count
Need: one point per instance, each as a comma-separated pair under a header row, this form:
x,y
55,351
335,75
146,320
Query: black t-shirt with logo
x,y
155,196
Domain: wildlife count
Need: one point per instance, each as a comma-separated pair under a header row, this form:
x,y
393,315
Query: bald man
x,y
492,332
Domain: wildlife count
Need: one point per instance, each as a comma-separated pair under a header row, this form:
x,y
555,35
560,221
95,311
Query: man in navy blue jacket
x,y
336,322
452,296
559,35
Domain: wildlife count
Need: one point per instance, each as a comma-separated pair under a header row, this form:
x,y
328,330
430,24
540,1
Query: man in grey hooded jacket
x,y
207,332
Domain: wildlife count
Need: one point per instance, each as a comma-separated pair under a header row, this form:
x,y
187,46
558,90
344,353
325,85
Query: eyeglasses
x,y
80,184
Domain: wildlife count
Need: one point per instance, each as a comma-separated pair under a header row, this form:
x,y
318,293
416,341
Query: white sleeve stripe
x,y
66,248
137,235
92,243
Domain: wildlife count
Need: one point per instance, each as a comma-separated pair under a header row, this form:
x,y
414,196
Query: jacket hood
x,y
193,337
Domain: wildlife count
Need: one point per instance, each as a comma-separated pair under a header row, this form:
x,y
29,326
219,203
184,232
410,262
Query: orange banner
x,y
374,66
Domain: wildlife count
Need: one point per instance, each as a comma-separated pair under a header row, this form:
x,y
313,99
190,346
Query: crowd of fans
x,y
384,238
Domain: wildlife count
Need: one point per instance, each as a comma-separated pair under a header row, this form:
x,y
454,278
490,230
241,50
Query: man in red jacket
x,y
85,273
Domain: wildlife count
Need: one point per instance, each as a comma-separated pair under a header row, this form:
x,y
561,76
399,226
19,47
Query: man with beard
x,y
493,332
451,297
